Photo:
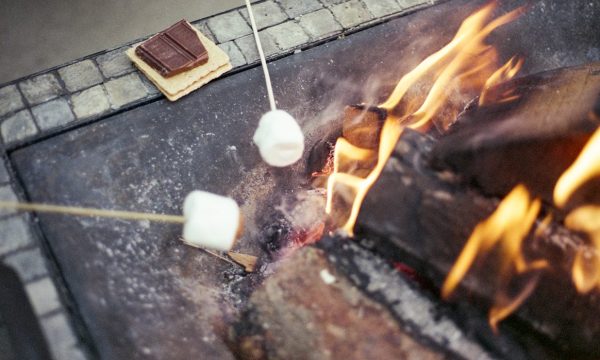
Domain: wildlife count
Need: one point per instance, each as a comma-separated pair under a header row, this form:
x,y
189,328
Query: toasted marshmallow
x,y
279,139
211,221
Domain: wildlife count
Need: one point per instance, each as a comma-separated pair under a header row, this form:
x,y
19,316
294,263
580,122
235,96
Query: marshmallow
x,y
279,138
211,221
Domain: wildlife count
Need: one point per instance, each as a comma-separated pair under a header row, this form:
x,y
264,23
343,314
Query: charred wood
x,y
532,139
424,217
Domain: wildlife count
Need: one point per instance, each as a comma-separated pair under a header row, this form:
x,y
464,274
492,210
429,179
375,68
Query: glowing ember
x,y
506,228
464,63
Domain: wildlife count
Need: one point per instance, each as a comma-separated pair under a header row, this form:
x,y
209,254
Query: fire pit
x,y
141,293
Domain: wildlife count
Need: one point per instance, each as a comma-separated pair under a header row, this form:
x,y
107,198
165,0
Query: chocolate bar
x,y
174,50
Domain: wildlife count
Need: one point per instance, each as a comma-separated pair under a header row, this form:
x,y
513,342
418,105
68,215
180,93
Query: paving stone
x,y
405,4
41,88
202,26
18,127
351,13
7,194
59,336
150,87
320,24
4,176
115,63
235,55
266,14
29,264
14,234
43,296
295,8
80,75
53,114
228,26
10,100
288,35
125,90
379,8
332,2
90,102
248,46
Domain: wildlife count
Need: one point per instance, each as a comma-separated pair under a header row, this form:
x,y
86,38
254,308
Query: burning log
x,y
426,217
532,139
362,124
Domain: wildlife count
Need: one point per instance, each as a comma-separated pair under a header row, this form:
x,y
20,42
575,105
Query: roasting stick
x,y
200,230
278,137
91,212
261,54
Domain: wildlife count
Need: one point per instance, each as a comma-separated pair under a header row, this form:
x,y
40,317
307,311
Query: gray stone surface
x,y
90,102
7,194
295,8
405,4
60,337
14,234
266,14
125,90
18,127
150,87
235,55
80,75
228,26
53,114
29,264
247,46
115,63
41,88
332,2
4,177
202,26
288,35
351,13
43,296
10,100
379,8
320,24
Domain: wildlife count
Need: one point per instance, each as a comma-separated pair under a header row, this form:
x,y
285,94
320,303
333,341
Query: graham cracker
x,y
182,84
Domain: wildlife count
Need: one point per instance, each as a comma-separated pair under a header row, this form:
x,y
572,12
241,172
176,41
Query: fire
x,y
586,267
506,72
583,169
506,228
513,220
466,62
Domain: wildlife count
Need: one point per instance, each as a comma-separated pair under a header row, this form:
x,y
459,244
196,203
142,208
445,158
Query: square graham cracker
x,y
182,84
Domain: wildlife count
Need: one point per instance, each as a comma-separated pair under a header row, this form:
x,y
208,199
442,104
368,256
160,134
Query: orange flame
x,y
512,221
464,58
585,167
586,266
506,72
507,227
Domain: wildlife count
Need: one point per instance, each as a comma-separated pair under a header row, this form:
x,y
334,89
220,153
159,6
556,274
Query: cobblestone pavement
x,y
94,87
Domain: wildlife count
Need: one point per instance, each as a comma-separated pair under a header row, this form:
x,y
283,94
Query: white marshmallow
x,y
279,139
211,221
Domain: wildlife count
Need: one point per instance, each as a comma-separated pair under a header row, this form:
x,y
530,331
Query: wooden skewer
x,y
246,261
91,212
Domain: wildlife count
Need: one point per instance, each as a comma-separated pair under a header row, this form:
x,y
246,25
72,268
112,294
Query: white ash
x,y
304,209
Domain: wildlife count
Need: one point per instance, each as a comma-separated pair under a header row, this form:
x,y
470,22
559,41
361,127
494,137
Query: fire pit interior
x,y
141,293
